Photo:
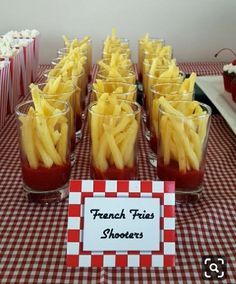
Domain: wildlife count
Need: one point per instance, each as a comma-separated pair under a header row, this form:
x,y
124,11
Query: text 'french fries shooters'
x,y
114,127
182,144
44,137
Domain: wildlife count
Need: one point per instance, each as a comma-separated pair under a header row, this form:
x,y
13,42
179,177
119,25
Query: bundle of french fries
x,y
114,44
44,133
71,68
117,61
117,90
150,48
55,89
171,92
114,126
160,75
182,133
116,65
83,47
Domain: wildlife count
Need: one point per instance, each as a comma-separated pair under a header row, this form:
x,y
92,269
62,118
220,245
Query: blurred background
x,y
196,29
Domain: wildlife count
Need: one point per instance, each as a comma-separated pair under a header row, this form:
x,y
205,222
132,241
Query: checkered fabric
x,y
33,237
79,190
202,69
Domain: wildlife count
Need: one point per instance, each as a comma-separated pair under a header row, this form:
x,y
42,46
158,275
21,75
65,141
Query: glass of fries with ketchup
x,y
182,146
44,138
114,127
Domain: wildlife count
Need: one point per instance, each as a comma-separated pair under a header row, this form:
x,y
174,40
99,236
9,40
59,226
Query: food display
x,y
183,134
44,143
114,127
178,125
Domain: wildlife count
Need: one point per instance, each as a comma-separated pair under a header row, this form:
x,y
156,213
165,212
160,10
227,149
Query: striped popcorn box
x,y
36,41
4,89
15,80
27,64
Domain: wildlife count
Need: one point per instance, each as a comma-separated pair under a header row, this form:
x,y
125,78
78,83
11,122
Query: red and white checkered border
x,y
80,189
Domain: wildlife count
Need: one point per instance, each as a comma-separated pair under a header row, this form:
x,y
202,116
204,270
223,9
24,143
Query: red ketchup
x,y
45,179
189,180
112,173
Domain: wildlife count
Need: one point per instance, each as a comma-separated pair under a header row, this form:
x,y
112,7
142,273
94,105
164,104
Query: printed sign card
x,y
121,223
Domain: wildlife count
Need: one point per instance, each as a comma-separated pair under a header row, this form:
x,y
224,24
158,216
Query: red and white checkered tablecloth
x,y
33,237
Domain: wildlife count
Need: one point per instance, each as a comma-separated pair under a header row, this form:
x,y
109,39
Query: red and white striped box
x,y
4,90
27,65
14,91
36,41
80,189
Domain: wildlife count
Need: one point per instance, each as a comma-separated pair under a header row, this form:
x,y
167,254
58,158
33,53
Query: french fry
x,y
27,138
114,129
182,133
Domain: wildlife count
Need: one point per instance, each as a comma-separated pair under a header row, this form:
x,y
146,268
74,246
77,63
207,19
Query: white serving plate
x,y
213,87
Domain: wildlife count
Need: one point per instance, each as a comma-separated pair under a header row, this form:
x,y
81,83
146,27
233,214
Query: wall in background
x,y
195,28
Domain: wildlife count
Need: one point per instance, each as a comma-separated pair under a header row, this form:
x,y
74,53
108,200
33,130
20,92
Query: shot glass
x,y
80,82
114,139
141,50
127,66
68,97
171,92
181,154
118,90
105,76
44,142
151,80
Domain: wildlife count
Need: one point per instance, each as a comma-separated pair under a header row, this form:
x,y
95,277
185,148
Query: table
x,y
33,237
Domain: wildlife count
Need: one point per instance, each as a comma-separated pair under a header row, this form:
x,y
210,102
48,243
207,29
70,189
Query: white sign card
x,y
121,224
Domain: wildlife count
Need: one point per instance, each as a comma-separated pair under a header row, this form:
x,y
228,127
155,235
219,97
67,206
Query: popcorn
x,y
29,33
23,34
7,48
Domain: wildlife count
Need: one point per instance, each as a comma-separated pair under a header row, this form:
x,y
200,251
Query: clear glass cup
x,y
163,63
44,142
80,83
119,90
141,51
104,76
70,99
171,92
88,54
114,139
83,53
65,50
121,47
151,80
107,61
182,146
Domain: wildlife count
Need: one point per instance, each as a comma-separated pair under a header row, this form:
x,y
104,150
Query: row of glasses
x,y
114,114
48,123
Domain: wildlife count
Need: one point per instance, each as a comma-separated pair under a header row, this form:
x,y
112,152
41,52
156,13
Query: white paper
x,y
124,230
